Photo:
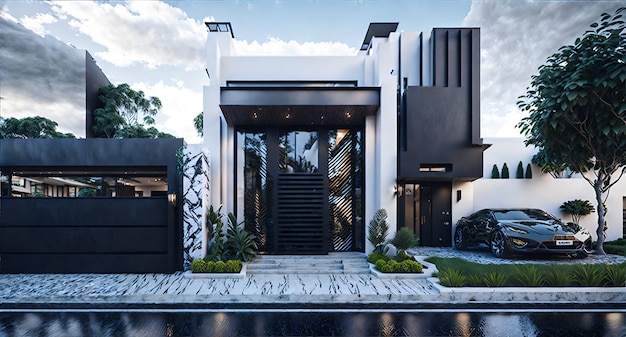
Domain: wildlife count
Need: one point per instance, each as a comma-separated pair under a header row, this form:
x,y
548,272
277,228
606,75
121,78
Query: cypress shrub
x,y
529,172
505,171
495,174
520,171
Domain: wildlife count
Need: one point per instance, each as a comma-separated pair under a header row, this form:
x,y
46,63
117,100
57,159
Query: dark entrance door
x,y
426,209
303,190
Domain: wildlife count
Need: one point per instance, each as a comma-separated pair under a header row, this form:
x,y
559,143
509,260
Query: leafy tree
x,y
31,127
505,171
123,108
520,171
577,208
577,111
495,174
198,124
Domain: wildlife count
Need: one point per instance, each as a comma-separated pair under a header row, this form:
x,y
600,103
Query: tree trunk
x,y
601,215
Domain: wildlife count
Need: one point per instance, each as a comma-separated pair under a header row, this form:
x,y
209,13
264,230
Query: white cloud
x,y
516,38
292,48
151,33
180,106
36,23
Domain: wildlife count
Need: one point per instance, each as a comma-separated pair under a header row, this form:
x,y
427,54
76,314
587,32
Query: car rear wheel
x,y
460,242
498,244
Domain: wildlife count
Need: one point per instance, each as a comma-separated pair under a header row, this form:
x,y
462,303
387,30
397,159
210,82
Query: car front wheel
x,y
460,242
587,247
498,244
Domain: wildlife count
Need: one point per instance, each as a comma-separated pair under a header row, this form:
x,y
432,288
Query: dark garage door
x,y
88,235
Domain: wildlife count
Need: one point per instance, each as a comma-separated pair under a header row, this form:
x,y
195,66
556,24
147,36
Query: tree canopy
x,y
577,110
31,127
198,124
122,111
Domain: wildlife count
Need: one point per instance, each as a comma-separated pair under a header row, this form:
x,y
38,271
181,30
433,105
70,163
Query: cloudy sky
x,y
158,47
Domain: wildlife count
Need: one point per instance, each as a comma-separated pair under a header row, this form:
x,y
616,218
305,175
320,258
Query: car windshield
x,y
521,214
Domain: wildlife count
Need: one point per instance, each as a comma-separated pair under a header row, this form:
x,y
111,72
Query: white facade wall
x,y
542,191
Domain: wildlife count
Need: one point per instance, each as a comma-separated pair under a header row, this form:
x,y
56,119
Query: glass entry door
x,y
303,190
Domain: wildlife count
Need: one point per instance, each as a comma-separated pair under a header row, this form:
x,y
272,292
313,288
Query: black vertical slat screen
x,y
340,172
300,214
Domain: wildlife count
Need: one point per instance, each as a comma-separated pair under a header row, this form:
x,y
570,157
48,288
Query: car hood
x,y
543,227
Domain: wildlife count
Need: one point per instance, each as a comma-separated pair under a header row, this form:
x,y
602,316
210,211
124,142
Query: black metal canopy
x,y
298,106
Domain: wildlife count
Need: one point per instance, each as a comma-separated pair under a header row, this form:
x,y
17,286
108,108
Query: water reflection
x,y
466,324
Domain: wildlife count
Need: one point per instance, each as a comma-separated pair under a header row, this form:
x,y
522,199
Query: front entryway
x,y
303,189
425,208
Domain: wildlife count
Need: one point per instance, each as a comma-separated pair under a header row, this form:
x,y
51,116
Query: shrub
x,y
495,174
615,275
495,279
233,266
411,266
220,267
505,171
588,275
198,266
520,171
558,278
529,276
402,256
392,266
210,267
377,232
529,172
383,266
404,239
372,258
617,247
452,278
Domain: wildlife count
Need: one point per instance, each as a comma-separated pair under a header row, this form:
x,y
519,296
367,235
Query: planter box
x,y
427,272
241,274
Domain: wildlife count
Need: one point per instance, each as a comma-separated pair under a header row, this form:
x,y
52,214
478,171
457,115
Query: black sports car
x,y
508,231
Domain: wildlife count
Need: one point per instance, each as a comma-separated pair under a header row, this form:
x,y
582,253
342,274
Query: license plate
x,y
564,242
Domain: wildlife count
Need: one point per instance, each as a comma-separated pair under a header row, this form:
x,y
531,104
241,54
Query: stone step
x,y
333,263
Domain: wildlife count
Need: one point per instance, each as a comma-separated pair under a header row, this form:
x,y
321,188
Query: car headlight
x,y
516,230
519,242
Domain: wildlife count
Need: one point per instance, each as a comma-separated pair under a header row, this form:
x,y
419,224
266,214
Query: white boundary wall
x,y
542,191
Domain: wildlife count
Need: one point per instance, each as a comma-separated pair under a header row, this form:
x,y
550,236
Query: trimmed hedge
x,y
230,266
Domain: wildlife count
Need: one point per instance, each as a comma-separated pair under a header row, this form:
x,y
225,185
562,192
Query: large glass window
x,y
145,183
298,152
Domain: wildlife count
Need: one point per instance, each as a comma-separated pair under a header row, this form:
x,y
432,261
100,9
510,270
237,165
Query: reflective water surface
x,y
291,323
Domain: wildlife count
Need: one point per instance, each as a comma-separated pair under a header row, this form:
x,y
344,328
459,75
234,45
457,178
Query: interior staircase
x,y
333,263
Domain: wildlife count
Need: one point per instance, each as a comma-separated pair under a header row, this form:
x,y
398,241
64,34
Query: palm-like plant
x,y
240,244
377,231
577,208
403,240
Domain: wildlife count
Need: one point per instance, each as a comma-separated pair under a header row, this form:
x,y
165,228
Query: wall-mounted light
x,y
172,199
458,195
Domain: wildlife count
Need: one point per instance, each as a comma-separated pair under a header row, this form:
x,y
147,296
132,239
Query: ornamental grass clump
x,y
615,275
558,278
495,279
588,275
529,276
452,278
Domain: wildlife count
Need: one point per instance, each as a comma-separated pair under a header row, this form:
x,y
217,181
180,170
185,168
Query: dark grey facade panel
x,y
439,132
441,124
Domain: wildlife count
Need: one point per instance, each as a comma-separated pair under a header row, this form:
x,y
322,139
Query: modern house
x,y
307,148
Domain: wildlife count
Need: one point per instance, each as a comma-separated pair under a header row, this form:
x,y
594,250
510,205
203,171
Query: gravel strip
x,y
482,255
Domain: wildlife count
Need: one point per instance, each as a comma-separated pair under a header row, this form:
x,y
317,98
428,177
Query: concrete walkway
x,y
337,291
